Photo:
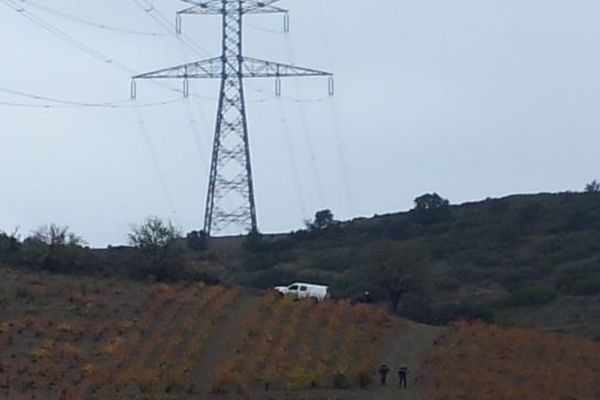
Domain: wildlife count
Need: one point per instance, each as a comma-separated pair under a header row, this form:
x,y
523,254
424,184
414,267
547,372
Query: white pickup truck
x,y
301,290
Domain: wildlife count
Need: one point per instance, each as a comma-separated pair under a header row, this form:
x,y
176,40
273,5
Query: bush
x,y
530,213
264,261
268,278
160,249
416,307
530,296
462,311
580,281
197,240
9,248
55,249
338,260
256,243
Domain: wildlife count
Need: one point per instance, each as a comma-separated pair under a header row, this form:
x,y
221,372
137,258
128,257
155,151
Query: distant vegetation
x,y
489,260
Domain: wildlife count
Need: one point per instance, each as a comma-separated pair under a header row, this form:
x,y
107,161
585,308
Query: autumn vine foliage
x,y
297,344
479,362
90,357
119,340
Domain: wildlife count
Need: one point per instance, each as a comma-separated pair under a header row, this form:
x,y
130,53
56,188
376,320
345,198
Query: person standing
x,y
402,376
383,373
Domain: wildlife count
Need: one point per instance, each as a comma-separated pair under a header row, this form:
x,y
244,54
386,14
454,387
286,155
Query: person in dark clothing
x,y
402,375
383,373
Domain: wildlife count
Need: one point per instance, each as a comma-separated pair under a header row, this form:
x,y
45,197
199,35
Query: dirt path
x,y
220,344
407,345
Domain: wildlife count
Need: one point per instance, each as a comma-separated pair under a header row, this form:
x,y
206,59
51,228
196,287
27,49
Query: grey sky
x,y
467,98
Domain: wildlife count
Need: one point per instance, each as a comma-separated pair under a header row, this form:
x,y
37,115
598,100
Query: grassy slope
x,y
501,254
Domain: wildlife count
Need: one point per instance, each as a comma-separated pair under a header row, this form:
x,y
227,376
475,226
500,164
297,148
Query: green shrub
x,y
268,278
530,296
579,281
197,241
338,260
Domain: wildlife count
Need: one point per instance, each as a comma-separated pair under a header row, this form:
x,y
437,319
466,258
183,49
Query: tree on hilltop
x,y
592,187
431,208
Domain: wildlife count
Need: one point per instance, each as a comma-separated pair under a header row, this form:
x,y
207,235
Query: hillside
x,y
527,260
74,338
499,259
81,338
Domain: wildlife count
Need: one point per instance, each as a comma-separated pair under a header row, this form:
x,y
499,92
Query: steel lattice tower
x,y
230,197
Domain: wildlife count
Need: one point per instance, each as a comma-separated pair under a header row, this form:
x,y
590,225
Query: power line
x,y
88,22
292,157
154,158
62,103
66,37
153,12
109,106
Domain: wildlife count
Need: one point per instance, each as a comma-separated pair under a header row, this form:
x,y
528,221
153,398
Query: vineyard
x,y
94,339
478,361
96,358
148,342
295,345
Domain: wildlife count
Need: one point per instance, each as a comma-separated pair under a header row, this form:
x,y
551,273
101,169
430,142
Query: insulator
x,y
286,22
186,88
331,86
178,23
278,87
133,89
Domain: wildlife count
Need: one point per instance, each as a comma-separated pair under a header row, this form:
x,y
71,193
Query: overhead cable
x,y
154,13
66,37
88,22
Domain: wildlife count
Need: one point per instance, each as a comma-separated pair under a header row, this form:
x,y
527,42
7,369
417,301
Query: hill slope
x,y
80,338
68,338
498,259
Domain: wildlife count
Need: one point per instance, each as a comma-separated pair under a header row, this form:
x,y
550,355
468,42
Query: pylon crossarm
x,y
266,10
216,7
210,68
254,68
200,10
204,9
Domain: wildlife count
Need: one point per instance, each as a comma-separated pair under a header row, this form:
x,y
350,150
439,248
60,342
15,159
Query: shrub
x,y
197,240
530,213
580,281
256,243
416,307
268,278
160,249
530,296
462,311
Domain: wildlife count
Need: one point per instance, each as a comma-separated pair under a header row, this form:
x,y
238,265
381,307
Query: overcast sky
x,y
468,98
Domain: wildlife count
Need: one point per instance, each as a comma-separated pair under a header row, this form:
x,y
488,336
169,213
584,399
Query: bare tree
x,y
160,245
592,187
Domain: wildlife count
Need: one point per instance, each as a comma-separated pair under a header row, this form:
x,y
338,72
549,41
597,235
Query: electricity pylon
x,y
230,197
